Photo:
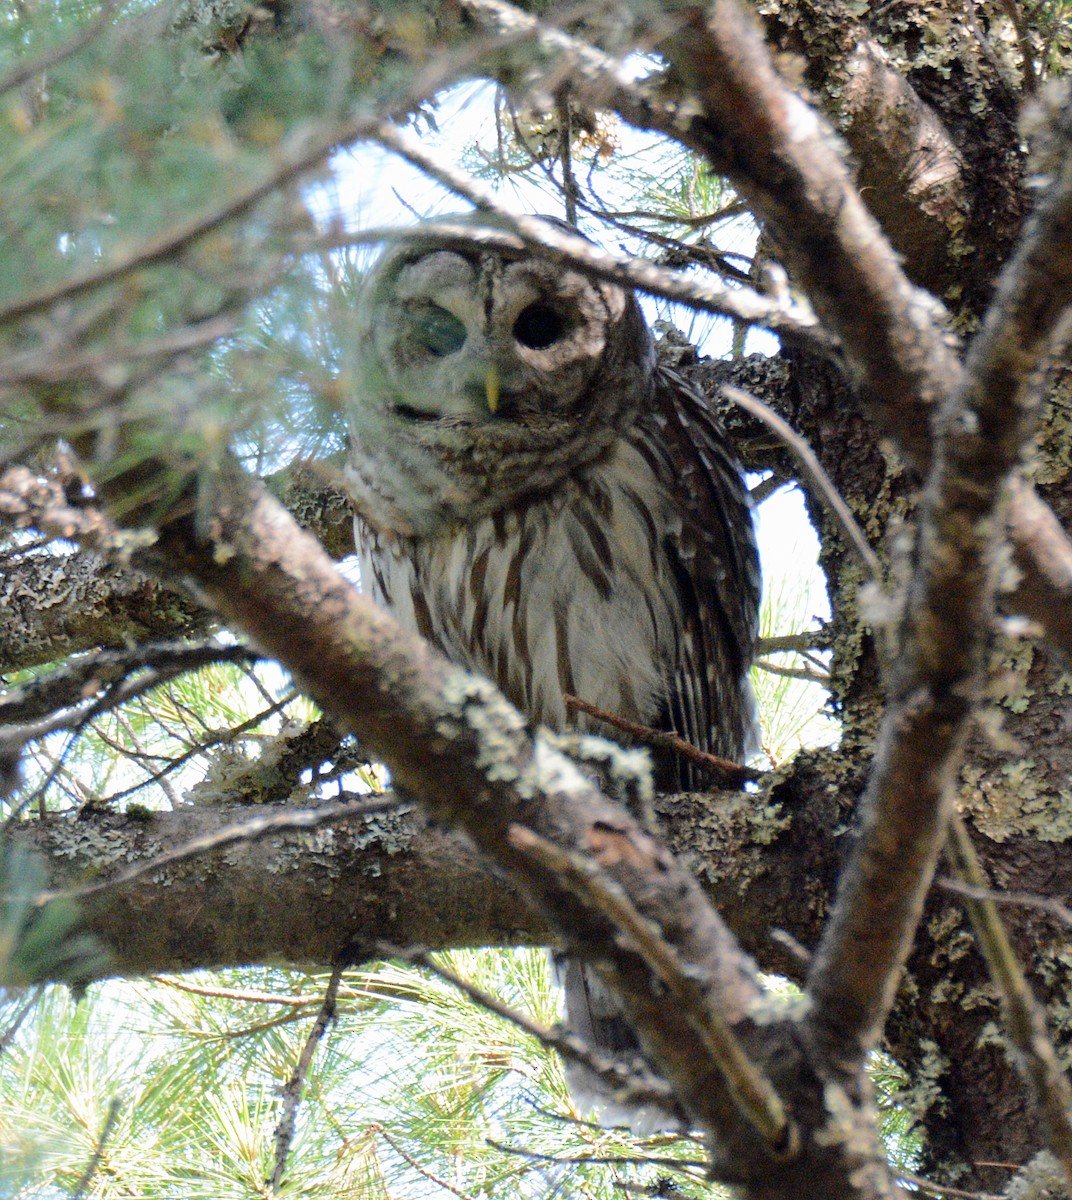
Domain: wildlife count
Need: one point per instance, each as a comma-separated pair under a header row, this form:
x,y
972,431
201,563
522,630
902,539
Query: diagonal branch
x,y
23,73
292,1089
785,160
813,470
628,1085
786,317
751,1092
985,427
451,738
53,605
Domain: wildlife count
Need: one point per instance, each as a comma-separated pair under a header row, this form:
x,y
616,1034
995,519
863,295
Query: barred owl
x,y
540,499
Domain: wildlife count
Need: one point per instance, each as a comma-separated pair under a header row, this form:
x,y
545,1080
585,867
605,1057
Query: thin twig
x,y
813,469
292,1089
783,938
753,1094
90,673
1023,899
246,997
675,1164
810,639
820,677
313,151
17,76
249,830
1025,1020
165,785
44,367
82,1185
446,1185
629,1085
767,488
745,304
941,1189
8,1035
223,737
13,738
730,772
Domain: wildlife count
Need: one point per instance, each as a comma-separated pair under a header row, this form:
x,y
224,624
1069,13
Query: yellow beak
x,y
492,385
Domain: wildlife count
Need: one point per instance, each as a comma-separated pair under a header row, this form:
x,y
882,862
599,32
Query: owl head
x,y
484,376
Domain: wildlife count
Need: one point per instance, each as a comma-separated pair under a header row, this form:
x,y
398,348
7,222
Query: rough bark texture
x,y
387,877
927,106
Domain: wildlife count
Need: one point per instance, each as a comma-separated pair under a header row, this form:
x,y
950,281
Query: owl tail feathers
x,y
594,1016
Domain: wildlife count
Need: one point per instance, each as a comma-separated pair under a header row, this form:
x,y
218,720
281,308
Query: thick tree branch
x,y
452,740
54,605
750,1091
984,430
303,895
301,889
909,169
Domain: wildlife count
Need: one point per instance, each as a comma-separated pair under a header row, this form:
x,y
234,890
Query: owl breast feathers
x,y
541,500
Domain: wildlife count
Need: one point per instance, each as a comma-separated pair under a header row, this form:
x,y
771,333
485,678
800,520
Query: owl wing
x,y
714,557
712,553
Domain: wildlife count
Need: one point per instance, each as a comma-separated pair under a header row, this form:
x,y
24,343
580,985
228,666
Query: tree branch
x,y
751,1092
351,879
985,426
629,1086
813,471
710,295
908,166
53,605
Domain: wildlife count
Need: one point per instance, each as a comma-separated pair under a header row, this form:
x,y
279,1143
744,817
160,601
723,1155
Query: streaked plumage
x,y
541,500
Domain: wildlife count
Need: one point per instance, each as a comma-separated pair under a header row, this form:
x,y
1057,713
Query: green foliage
x,y
413,1090
39,941
143,150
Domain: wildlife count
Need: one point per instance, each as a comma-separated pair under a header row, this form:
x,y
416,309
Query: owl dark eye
x,y
539,326
408,413
437,331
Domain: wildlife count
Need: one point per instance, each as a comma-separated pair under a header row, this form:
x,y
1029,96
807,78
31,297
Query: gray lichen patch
x,y
1017,799
98,849
476,709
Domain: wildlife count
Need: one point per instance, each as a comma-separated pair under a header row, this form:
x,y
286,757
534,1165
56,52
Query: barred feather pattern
x,y
551,508
634,585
